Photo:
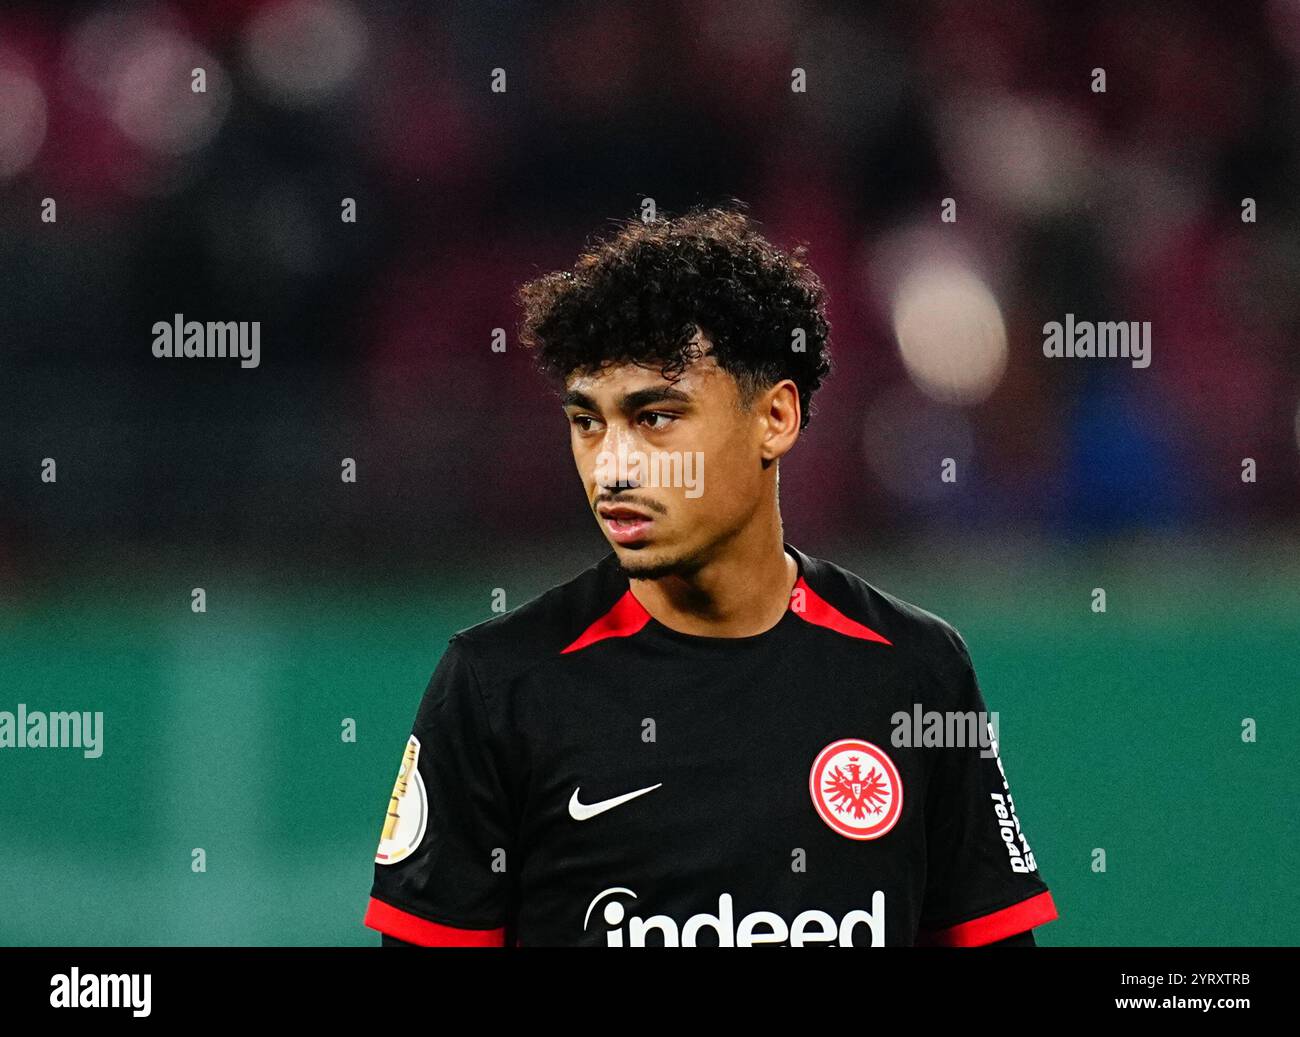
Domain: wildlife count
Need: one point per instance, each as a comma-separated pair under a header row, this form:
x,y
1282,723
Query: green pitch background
x,y
1120,731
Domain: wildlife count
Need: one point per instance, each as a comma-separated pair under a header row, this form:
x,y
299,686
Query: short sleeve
x,y
982,880
443,867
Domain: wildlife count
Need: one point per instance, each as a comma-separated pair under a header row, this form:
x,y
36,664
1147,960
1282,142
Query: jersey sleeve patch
x,y
408,810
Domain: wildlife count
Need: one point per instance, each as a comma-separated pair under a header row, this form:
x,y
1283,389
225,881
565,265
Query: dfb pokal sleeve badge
x,y
408,810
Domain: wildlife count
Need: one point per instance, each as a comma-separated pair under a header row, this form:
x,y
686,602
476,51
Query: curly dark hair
x,y
639,297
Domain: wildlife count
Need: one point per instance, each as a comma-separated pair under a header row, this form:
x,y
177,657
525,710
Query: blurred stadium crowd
x,y
1121,205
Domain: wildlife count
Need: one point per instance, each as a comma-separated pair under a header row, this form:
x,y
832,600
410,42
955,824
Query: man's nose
x,y
621,444
619,437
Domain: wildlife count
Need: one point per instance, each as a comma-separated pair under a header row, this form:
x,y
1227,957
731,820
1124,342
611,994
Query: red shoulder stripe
x,y
818,611
626,617
420,931
1037,910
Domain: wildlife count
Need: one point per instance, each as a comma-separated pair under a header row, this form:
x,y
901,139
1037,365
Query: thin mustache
x,y
631,502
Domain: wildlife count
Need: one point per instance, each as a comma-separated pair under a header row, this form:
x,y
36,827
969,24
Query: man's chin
x,y
654,563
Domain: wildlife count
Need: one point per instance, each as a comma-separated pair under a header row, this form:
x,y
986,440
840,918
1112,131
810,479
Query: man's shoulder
x,y
540,628
910,628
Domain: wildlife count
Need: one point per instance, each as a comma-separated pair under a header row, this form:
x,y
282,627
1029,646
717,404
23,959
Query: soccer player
x,y
693,742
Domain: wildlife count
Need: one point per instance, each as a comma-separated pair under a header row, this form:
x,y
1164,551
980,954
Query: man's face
x,y
672,469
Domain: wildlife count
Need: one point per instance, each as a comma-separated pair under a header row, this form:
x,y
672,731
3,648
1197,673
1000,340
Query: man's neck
x,y
743,591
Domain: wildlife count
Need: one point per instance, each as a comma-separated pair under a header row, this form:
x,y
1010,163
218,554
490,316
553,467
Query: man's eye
x,y
583,421
655,414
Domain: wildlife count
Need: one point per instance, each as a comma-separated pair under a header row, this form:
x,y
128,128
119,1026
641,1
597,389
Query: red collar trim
x,y
628,616
819,612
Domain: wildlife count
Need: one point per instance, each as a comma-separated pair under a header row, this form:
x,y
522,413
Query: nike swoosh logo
x,y
585,811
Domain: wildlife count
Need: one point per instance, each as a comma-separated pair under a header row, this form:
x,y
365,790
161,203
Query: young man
x,y
693,742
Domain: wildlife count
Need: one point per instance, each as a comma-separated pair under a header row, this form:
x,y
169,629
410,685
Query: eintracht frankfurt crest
x,y
856,789
407,810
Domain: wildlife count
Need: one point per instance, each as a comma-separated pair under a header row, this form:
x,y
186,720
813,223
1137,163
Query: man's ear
x,y
779,416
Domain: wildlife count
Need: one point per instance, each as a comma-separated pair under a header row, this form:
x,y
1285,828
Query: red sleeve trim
x,y
422,932
1037,910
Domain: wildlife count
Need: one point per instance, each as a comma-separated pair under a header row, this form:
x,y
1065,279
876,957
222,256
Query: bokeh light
x,y
950,334
302,52
22,118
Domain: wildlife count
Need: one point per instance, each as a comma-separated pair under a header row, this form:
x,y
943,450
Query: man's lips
x,y
626,525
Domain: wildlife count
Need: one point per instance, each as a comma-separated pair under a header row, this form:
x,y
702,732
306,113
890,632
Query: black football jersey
x,y
580,774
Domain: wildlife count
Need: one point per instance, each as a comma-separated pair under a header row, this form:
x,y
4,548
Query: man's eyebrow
x,y
630,402
634,401
573,398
